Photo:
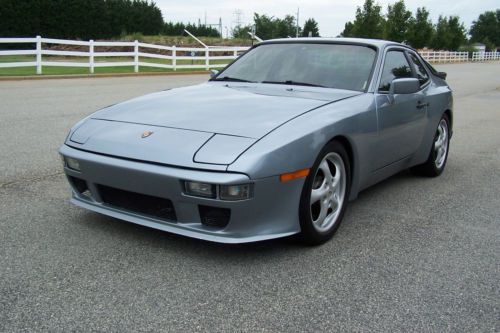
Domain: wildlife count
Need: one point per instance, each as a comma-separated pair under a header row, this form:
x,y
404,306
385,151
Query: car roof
x,y
379,43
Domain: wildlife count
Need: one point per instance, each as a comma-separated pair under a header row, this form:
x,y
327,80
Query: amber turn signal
x,y
294,175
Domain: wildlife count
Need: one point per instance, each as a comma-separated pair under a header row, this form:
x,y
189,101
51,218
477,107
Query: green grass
x,y
17,58
50,70
27,71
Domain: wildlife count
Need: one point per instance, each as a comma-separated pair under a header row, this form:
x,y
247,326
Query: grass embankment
x,y
186,41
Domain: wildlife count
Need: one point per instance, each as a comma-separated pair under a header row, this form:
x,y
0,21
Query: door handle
x,y
421,105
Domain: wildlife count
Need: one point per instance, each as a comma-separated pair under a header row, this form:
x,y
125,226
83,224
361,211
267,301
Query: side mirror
x,y
441,75
404,86
213,73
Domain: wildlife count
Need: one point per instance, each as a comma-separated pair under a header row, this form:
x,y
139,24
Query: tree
x,y
286,27
397,22
369,22
486,28
420,29
264,26
310,26
242,31
450,34
456,31
268,27
348,30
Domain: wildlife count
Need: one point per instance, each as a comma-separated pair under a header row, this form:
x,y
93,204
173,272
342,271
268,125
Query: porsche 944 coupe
x,y
273,145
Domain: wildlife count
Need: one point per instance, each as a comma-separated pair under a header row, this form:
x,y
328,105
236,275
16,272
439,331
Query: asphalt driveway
x,y
413,254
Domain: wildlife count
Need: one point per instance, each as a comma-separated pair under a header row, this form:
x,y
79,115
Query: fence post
x,y
91,56
207,62
136,56
235,53
174,58
38,54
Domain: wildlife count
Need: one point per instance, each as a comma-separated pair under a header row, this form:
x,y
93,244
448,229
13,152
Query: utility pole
x,y
220,27
297,33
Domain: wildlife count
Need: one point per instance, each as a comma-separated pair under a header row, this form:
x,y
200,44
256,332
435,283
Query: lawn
x,y
54,70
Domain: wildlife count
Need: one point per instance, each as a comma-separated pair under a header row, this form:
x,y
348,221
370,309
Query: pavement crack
x,y
34,179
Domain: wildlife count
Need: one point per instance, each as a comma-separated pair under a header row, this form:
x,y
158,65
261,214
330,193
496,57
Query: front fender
x,y
296,144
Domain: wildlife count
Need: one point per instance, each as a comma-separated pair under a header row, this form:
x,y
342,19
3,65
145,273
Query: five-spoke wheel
x,y
436,161
328,191
325,194
441,143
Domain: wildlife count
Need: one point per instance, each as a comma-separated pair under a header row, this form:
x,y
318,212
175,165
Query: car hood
x,y
247,110
207,126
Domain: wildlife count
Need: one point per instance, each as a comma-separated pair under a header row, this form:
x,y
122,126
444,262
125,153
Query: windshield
x,y
325,65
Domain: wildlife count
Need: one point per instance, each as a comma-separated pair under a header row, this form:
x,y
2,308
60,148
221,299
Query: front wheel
x,y
325,194
438,155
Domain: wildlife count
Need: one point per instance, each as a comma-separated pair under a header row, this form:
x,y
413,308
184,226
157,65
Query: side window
x,y
422,75
395,67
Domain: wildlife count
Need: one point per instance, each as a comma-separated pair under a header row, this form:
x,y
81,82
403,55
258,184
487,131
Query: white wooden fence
x,y
444,56
172,58
168,57
485,56
447,56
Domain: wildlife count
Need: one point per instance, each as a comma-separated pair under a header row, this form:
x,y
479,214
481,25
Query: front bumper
x,y
271,213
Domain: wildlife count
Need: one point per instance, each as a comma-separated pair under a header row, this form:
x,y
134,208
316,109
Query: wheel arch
x,y
353,162
449,113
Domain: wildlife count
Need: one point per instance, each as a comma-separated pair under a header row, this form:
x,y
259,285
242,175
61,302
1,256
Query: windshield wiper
x,y
295,83
233,79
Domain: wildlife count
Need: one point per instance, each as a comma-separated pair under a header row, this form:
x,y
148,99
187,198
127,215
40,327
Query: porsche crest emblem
x,y
145,134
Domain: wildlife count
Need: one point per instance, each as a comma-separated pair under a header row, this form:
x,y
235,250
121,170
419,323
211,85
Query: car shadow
x,y
130,232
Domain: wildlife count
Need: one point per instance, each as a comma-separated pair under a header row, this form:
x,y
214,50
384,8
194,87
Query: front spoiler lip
x,y
173,228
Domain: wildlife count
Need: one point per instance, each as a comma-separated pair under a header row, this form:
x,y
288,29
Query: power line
x,y
238,13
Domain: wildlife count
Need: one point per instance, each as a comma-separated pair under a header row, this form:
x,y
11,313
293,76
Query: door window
x,y
396,66
422,75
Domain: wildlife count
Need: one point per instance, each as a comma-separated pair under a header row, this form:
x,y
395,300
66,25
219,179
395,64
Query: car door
x,y
401,117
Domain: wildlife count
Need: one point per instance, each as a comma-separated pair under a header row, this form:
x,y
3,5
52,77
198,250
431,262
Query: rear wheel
x,y
325,194
438,155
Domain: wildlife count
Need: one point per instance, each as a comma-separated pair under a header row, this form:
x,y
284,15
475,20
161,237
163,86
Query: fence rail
x,y
160,56
485,56
168,57
444,56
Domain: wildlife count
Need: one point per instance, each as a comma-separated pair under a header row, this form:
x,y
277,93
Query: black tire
x,y
430,168
309,233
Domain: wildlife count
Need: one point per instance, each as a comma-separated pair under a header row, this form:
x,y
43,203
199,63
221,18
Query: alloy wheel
x,y
328,192
441,144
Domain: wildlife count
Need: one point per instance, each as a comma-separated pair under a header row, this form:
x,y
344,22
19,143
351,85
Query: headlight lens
x,y
225,192
200,189
72,163
235,192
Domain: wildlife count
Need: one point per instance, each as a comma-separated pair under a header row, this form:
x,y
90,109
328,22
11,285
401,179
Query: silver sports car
x,y
275,144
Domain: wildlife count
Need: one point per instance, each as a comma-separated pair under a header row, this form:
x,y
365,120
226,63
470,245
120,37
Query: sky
x,y
331,15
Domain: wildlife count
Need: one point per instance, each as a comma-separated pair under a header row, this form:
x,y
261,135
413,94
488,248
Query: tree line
x,y
89,19
177,29
101,19
400,25
269,27
80,19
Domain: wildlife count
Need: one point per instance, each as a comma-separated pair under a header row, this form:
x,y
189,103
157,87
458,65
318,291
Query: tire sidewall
x,y
308,232
432,156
